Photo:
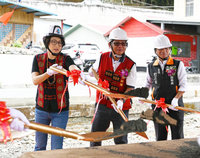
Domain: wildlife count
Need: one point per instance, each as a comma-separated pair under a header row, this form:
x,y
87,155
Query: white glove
x,y
19,119
174,103
90,72
82,78
59,67
119,105
51,72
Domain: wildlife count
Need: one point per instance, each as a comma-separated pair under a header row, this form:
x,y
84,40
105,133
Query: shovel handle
x,y
61,71
119,110
52,130
111,99
169,105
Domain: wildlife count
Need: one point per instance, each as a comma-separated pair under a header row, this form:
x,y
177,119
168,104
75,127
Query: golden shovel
x,y
92,136
106,93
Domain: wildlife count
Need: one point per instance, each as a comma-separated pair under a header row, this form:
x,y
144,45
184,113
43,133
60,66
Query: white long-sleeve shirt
x,y
181,74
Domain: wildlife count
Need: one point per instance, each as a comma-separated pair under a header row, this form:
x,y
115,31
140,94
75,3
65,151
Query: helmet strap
x,y
54,54
163,59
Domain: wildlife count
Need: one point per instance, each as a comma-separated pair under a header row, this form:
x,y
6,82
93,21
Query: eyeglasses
x,y
54,42
122,43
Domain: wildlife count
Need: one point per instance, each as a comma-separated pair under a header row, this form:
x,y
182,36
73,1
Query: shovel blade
x,y
143,134
99,136
138,126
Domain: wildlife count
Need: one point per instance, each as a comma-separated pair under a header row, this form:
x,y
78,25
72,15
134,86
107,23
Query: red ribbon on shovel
x,y
161,104
4,124
74,74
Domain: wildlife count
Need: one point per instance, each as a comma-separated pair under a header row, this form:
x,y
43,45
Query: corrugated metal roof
x,y
25,8
178,22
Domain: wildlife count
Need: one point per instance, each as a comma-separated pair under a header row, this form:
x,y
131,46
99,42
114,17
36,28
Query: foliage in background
x,y
153,4
17,44
165,4
75,1
133,2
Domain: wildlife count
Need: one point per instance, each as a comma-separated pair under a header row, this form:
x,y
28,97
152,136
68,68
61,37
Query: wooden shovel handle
x,y
169,105
54,130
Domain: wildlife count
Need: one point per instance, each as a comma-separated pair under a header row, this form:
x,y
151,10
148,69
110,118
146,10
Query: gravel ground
x,y
82,125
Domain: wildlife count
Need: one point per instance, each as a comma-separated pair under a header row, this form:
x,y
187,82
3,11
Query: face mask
x,y
118,56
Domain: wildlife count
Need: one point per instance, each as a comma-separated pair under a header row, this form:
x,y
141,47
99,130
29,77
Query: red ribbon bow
x,y
74,74
4,125
104,84
161,104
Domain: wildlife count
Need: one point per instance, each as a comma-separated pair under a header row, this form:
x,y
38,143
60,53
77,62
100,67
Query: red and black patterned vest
x,y
59,85
117,82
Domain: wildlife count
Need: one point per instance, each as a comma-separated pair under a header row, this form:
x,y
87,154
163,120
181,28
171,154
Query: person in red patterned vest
x,y
51,87
120,72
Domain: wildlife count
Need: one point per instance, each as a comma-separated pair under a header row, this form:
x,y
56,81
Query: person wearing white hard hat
x,y
167,78
120,72
51,85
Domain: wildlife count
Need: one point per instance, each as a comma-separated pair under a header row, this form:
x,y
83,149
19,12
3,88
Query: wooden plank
x,y
183,148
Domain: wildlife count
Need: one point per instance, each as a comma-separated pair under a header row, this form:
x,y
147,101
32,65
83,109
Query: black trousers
x,y
176,131
102,121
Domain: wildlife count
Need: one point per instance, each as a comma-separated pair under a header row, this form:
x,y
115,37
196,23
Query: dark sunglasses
x,y
122,43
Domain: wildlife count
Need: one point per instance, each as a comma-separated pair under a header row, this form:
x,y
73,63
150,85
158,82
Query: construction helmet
x,y
162,41
54,31
118,34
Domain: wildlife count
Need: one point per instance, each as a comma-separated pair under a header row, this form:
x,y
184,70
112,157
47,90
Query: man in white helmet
x,y
51,86
167,79
120,71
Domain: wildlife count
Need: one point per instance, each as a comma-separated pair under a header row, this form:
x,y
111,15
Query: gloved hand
x,y
51,72
82,78
174,103
59,67
19,119
119,105
91,72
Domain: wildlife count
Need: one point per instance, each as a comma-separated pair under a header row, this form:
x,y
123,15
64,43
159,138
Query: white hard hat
x,y
118,34
162,41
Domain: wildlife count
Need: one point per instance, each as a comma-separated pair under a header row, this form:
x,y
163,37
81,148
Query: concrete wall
x,y
180,10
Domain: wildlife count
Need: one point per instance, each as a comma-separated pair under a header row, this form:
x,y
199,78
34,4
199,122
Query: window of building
x,y
189,7
183,49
